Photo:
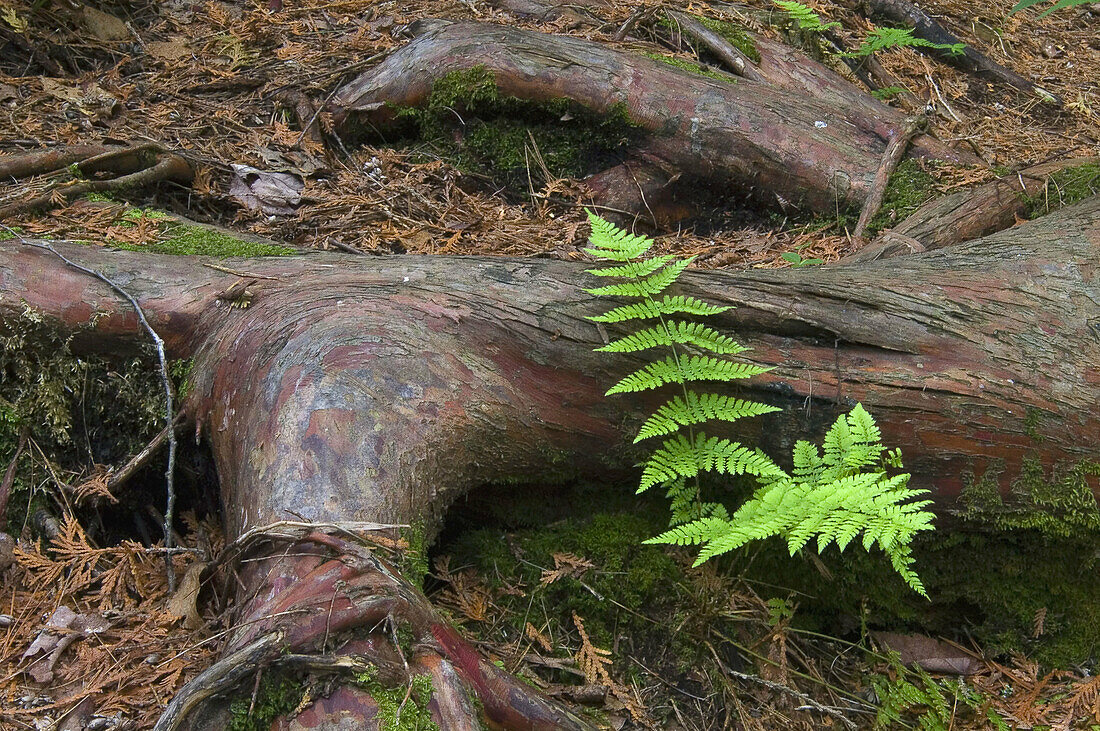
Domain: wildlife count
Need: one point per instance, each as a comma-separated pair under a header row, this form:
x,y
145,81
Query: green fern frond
x,y
649,286
681,457
633,270
804,17
680,333
650,309
883,38
697,409
610,242
683,370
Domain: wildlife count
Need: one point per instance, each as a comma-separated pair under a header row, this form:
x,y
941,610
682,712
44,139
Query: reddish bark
x,y
806,136
382,389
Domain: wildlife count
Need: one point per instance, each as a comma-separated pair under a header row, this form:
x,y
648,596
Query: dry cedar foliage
x,y
131,667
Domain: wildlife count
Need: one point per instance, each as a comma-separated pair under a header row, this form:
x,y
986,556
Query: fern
x,y
907,696
833,494
805,18
884,38
1060,5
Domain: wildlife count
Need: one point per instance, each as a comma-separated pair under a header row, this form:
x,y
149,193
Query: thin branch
x,y
730,55
890,160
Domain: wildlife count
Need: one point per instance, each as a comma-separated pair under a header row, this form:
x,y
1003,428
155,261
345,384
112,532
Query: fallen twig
x,y
734,60
890,159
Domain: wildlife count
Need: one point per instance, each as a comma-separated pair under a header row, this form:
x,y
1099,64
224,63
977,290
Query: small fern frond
x,y
680,457
649,286
675,332
884,38
697,409
804,16
610,242
650,309
687,368
881,509
691,534
633,270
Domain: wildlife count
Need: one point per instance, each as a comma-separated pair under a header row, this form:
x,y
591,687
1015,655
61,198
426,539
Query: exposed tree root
x,y
134,167
805,136
344,614
890,159
964,215
906,14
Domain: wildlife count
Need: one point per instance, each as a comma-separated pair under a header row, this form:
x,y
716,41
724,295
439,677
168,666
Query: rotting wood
x,y
965,214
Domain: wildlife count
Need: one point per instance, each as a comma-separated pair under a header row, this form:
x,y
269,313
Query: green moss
x,y
484,132
78,411
630,579
184,240
400,708
98,198
180,373
735,34
6,234
414,560
909,188
1064,188
691,66
1058,504
278,695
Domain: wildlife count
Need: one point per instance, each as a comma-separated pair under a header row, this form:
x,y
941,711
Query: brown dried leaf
x,y
184,603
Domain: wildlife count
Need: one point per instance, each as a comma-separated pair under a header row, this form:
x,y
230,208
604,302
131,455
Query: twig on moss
x,y
9,475
169,410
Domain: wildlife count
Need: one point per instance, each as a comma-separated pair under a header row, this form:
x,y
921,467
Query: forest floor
x,y
226,83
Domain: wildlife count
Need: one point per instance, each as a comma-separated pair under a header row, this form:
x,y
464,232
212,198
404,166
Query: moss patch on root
x,y
910,187
691,66
507,139
735,35
400,709
278,695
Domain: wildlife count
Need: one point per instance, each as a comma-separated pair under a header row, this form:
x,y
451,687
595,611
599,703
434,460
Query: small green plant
x,y
887,93
804,17
937,705
1060,5
794,258
831,497
881,39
